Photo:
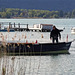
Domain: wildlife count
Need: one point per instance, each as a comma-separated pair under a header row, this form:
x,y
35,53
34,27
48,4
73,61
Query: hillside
x,y
64,5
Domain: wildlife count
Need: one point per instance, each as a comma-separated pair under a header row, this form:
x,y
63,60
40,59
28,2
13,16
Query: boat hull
x,y
38,49
5,30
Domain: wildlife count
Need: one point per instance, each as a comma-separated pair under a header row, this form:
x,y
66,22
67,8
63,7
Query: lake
x,y
62,64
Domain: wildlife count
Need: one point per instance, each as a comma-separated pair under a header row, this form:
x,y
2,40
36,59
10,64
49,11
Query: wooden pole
x,y
27,26
19,25
10,25
0,26
14,25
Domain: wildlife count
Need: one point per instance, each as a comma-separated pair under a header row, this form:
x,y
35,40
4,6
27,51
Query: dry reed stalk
x,y
3,71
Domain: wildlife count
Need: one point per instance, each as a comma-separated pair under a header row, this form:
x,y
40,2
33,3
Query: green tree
x,y
73,14
61,13
3,14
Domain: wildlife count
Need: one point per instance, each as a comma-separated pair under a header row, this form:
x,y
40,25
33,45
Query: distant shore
x,y
33,13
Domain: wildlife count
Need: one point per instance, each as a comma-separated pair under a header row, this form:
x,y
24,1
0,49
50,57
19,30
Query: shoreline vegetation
x,y
33,13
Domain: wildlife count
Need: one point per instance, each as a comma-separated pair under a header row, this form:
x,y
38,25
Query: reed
x,y
3,71
2,51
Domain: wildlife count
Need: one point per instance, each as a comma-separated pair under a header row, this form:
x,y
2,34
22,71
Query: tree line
x,y
32,13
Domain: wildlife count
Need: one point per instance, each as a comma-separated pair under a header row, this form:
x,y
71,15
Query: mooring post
x,y
10,25
0,26
14,25
27,27
19,25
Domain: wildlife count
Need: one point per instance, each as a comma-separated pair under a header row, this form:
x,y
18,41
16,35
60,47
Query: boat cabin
x,y
43,27
73,30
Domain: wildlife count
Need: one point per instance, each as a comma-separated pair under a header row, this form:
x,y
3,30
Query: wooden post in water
x,y
19,25
0,26
14,25
10,25
27,27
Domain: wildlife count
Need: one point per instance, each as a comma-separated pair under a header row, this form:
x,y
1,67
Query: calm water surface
x,y
62,64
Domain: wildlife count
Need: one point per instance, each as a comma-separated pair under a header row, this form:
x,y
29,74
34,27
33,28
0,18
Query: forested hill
x,y
64,5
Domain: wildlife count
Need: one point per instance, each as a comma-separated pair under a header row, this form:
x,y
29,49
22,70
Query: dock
x,y
4,26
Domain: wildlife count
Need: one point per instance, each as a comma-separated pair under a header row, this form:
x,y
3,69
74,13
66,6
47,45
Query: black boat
x,y
38,48
5,30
